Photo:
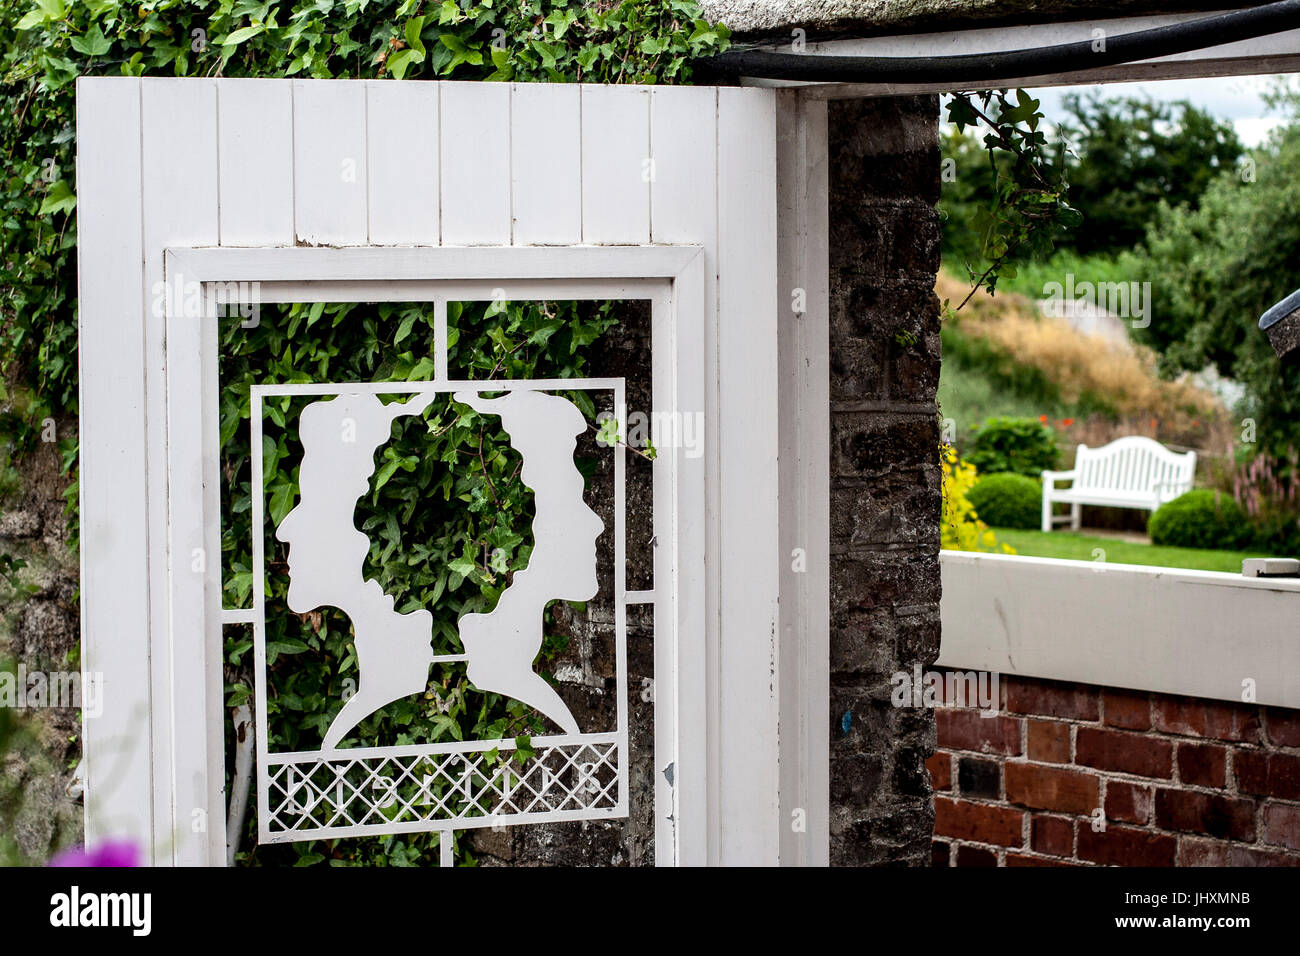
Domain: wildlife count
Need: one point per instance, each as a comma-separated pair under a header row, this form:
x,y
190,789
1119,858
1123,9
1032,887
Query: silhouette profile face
x,y
326,551
307,563
502,644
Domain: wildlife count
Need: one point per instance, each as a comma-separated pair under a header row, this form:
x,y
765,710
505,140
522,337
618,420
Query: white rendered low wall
x,y
1198,633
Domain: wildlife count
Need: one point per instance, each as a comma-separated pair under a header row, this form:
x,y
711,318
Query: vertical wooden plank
x,y
474,144
684,209
616,165
329,162
113,463
682,503
803,394
256,162
180,208
750,557
402,162
683,187
546,164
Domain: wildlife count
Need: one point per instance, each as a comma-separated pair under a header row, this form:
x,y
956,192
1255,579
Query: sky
x,y
1233,98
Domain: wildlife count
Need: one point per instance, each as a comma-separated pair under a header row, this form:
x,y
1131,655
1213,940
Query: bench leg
x,y
1076,516
1047,510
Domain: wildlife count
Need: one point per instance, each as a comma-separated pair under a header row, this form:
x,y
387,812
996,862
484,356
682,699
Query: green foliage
x,y
1215,269
1135,153
1020,445
49,43
1127,156
1019,191
1200,519
1032,276
960,528
1008,500
1268,488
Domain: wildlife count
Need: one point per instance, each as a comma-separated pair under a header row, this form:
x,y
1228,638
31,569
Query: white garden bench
x,y
1131,472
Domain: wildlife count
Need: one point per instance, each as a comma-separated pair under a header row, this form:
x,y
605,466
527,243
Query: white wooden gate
x,y
449,182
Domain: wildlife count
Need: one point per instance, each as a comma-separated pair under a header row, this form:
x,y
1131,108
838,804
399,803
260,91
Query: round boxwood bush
x,y
1022,445
1008,500
1200,519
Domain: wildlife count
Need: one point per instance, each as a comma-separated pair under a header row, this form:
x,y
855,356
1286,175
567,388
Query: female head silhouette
x,y
502,645
327,552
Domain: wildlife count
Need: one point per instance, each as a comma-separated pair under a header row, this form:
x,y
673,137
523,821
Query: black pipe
x,y
970,68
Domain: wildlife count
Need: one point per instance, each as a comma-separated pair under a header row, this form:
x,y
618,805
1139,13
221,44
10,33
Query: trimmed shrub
x,y
1008,500
1200,519
1020,445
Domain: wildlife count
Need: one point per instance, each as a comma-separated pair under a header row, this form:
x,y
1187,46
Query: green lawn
x,y
1079,547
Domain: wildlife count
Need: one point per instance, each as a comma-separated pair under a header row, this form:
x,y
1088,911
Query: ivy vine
x,y
1029,205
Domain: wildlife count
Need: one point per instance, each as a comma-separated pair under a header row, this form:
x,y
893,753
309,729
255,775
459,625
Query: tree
x,y
1133,154
1216,268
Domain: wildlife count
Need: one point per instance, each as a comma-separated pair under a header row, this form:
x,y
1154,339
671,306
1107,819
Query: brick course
x,y
1093,776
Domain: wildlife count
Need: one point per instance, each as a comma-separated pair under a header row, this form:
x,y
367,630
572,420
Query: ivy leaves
x,y
643,41
414,54
48,43
1029,203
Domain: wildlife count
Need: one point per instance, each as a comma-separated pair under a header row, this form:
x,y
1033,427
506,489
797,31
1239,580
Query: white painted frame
x,y
167,163
805,453
1172,631
670,277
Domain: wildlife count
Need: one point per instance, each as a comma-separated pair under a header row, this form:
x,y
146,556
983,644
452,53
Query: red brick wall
x,y
1181,781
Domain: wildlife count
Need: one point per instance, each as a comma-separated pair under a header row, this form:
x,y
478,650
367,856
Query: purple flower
x,y
108,853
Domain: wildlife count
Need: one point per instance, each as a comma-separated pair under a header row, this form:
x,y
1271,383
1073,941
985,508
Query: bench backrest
x,y
1134,465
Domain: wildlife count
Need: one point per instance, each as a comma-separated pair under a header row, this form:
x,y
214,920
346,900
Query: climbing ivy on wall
x,y
49,43
447,514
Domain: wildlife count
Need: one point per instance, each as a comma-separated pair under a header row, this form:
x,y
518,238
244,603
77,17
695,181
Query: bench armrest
x,y
1051,477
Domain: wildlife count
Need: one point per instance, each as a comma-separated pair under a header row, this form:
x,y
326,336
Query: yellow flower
x,y
961,528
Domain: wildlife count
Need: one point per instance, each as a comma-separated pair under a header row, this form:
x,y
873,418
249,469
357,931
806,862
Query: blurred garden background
x,y
1202,224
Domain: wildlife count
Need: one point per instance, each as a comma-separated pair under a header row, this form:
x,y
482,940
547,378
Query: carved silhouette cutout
x,y
327,552
503,644
394,651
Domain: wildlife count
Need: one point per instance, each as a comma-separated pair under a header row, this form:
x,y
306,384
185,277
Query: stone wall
x,y
885,474
40,805
774,20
